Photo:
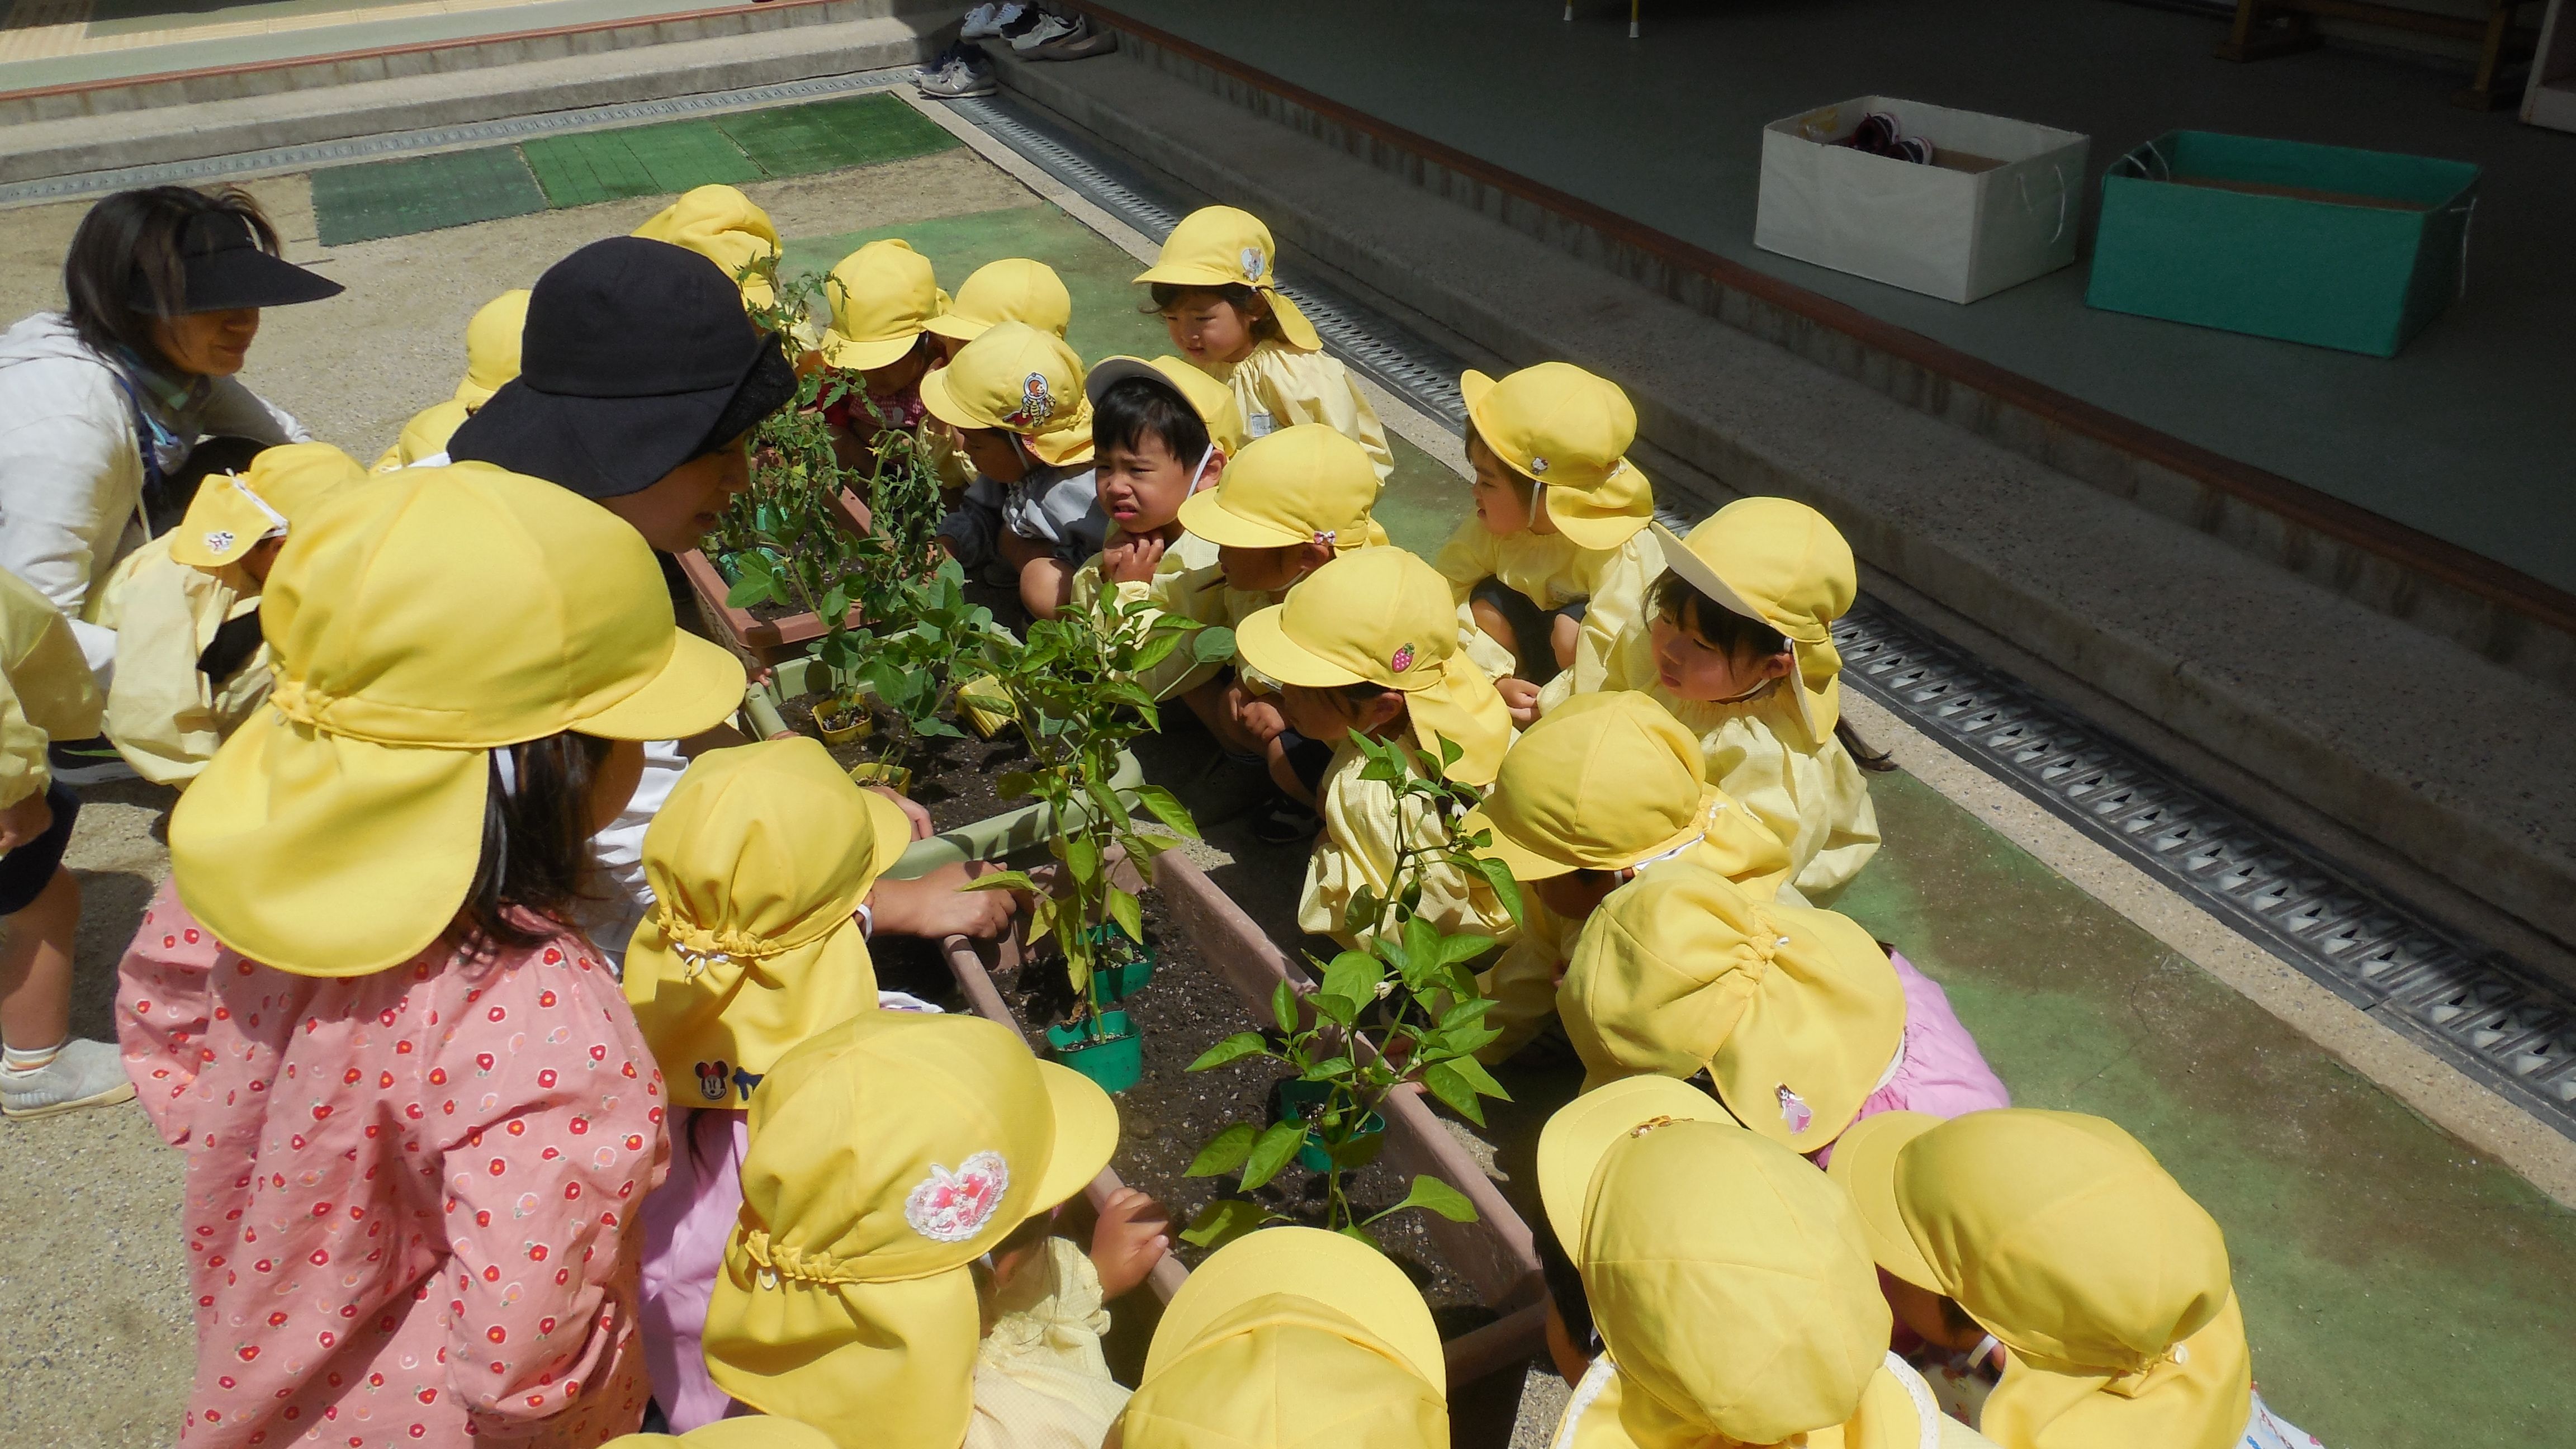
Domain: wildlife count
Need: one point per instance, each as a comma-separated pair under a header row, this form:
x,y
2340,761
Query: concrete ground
x,y
2401,1289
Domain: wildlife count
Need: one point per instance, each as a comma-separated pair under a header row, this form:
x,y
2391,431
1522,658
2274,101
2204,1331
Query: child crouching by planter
x,y
1015,397
884,297
1368,644
888,1156
760,863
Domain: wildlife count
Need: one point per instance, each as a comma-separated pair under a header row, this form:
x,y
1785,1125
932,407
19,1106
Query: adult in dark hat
x,y
124,400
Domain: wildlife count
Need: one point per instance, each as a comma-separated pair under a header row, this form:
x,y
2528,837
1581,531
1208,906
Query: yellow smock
x,y
1892,1415
1553,571
47,692
1280,387
163,715
1187,581
425,436
1358,848
1040,1379
1813,796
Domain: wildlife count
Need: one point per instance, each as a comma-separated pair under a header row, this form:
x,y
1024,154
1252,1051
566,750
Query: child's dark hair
x,y
124,269
1522,487
536,841
1135,408
1738,637
1565,1286
1246,300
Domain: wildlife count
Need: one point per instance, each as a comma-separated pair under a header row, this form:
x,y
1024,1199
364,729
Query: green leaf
x,y
1362,913
1002,880
1283,1006
1081,857
1274,1150
1450,754
1354,974
1234,1048
1223,1221
1478,1078
1212,645
1224,1152
1361,1238
1454,949
1128,914
1450,1085
1465,1013
1339,1010
1330,1069
1506,889
1015,784
1166,807
1437,1196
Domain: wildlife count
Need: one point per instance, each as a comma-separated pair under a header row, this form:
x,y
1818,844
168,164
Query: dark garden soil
x,y
953,779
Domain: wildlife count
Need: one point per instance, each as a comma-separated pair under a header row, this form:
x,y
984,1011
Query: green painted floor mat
x,y
638,161
829,135
421,193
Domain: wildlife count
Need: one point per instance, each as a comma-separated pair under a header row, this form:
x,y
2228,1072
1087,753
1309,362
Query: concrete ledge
x,y
2407,740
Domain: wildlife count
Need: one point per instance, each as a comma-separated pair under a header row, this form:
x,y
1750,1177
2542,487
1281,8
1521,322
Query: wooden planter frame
x,y
766,641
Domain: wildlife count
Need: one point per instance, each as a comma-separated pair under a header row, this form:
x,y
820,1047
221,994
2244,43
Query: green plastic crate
x,y
2335,247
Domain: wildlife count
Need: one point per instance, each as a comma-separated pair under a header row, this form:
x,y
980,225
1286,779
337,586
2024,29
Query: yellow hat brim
x,y
1203,515
941,402
1583,1131
1575,514
1264,644
1189,274
1065,446
850,352
1350,1278
700,686
1086,1134
1864,1162
950,324
1292,322
893,829
1526,862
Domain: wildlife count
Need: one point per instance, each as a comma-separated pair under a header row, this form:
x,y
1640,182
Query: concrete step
x,y
190,117
2396,736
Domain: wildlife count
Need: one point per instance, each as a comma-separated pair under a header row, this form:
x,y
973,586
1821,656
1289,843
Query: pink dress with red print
x,y
408,1193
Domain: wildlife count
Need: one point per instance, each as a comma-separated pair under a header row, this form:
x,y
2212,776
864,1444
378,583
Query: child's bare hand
x,y
1521,697
25,821
1132,560
1259,718
936,905
1133,1235
913,810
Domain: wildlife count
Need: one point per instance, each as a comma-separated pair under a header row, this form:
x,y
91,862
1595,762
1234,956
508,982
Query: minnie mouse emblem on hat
x,y
1253,263
950,1207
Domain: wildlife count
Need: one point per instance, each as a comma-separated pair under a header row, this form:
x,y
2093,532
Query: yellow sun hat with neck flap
x,y
887,1154
883,296
1778,561
1382,616
727,228
1568,432
1014,289
234,513
1292,1338
1612,781
1020,380
1304,484
492,347
1212,400
1796,1014
2062,1236
421,621
758,864
1226,246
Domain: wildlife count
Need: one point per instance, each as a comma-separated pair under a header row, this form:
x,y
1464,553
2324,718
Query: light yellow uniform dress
x,y
1553,571
1040,1379
1279,386
47,692
1358,848
163,715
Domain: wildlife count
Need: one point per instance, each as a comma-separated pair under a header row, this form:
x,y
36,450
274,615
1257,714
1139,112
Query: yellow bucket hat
x,y
883,296
1014,289
1568,432
1779,561
887,1154
1022,381
234,513
1728,1278
748,1431
1287,1338
1795,1013
2062,1236
1212,400
757,864
1225,246
728,229
1301,484
492,347
1612,781
420,621
1382,616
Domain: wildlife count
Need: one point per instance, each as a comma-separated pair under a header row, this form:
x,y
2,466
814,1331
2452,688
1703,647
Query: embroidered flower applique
x,y
950,1207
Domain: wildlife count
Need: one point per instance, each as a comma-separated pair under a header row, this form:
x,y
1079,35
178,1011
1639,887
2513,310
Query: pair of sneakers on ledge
x,y
963,70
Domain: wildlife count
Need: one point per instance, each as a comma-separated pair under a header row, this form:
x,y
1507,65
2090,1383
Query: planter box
x,y
2318,244
767,641
2000,206
1493,1254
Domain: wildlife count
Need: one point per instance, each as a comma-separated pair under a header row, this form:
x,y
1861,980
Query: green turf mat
x,y
829,135
637,161
421,193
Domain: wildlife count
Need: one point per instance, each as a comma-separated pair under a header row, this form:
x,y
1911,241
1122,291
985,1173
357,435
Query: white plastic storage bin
x,y
2000,205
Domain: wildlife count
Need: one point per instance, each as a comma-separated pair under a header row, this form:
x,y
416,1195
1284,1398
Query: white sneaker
x,y
83,1074
958,82
986,20
1053,27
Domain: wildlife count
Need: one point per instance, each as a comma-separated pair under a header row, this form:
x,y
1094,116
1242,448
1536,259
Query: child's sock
x,y
32,1059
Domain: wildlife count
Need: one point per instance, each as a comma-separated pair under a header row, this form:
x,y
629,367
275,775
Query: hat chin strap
x,y
1199,473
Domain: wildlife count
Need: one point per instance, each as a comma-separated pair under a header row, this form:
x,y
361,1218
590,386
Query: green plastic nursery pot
x,y
1117,983
1297,1099
1115,1058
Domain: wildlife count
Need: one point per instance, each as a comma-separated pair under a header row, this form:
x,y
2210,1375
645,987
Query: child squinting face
x,y
1695,669
1498,492
1208,329
1142,486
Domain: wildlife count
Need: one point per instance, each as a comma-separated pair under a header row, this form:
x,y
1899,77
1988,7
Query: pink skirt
x,y
686,1222
1943,1073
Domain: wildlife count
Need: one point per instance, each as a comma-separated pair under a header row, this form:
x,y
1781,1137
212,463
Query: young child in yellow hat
x,y
46,693
729,229
888,1155
1801,1022
1738,643
760,865
1707,1288
1161,432
190,662
418,1117
1291,1338
1016,399
883,297
1014,289
491,359
1602,790
1216,285
2066,1290
1556,560
1368,644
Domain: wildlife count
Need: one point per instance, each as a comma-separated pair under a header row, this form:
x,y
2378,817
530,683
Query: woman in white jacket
x,y
103,405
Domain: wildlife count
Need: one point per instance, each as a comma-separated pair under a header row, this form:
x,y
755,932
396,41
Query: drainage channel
x,y
447,138
2466,1003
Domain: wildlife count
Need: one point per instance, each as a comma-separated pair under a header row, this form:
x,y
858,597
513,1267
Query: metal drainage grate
x,y
2466,1003
402,143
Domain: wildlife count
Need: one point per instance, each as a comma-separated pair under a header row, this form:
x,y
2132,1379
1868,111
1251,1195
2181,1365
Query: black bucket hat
x,y
224,268
636,358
